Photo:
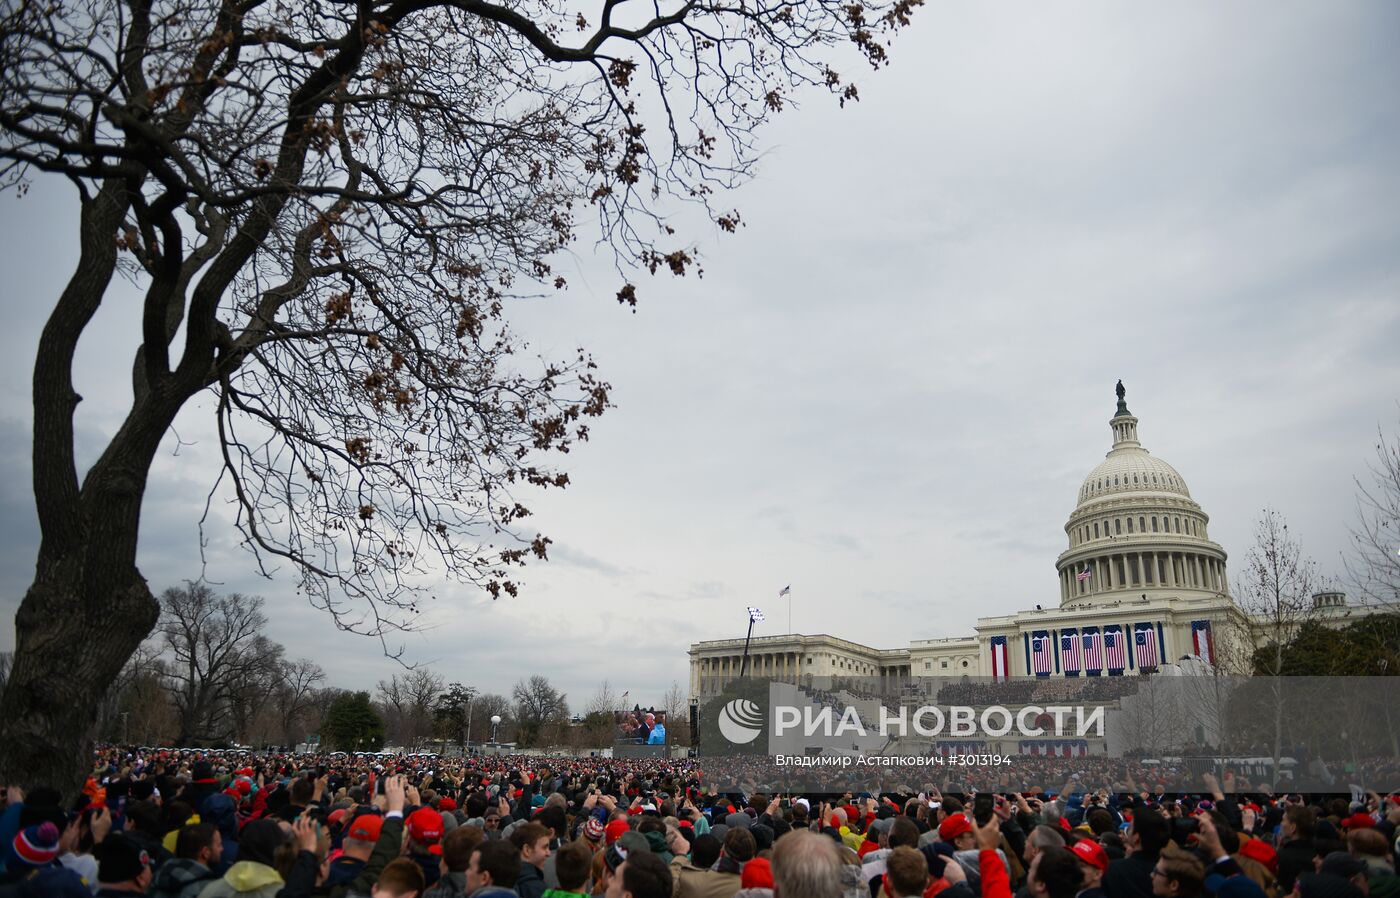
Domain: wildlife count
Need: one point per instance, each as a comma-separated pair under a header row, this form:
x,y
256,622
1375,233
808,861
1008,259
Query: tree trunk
x,y
78,624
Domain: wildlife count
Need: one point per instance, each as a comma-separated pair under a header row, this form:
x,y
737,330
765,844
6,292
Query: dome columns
x,y
1139,569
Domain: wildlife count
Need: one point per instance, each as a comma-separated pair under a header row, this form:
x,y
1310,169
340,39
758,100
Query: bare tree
x,y
296,696
144,663
1373,566
253,683
604,701
539,708
489,705
329,205
676,704
319,705
1275,590
407,701
217,654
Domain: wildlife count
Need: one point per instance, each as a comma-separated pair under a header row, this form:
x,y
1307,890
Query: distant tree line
x,y
210,676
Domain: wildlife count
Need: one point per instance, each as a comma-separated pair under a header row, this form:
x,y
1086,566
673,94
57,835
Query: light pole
x,y
755,616
471,694
495,722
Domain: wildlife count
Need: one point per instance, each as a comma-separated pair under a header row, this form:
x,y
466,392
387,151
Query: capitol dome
x,y
1135,530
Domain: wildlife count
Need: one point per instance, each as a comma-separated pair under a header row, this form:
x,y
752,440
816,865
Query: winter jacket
x,y
996,882
972,862
1381,880
451,885
692,882
85,865
49,882
245,879
530,882
1130,877
180,878
1294,858
430,864
873,864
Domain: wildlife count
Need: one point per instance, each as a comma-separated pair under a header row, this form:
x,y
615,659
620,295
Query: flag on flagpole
x,y
1084,574
785,590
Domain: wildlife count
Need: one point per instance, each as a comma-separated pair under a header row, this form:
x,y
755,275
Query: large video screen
x,y
640,726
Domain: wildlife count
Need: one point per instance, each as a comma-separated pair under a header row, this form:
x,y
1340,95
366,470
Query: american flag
x,y
1114,652
1093,650
1042,653
1203,641
1070,653
1084,574
1145,645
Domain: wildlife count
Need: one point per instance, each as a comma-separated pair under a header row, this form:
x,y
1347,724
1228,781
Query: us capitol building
x,y
1141,585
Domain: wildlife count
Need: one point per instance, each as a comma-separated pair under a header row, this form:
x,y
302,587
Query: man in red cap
x,y
1093,863
356,848
425,843
956,830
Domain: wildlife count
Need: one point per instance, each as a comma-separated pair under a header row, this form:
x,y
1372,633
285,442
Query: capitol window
x,y
1096,530
1142,525
964,664
1130,525
1154,524
945,663
1118,524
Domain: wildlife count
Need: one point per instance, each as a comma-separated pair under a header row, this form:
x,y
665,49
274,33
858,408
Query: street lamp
x,y
495,722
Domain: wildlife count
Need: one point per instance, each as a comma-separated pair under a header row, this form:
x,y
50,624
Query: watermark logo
x,y
740,721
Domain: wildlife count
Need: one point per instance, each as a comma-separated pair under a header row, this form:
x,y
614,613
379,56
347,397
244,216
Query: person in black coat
x,y
1295,855
1147,835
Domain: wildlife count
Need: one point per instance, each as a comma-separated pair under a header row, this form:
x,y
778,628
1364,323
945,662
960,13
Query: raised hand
x,y
304,832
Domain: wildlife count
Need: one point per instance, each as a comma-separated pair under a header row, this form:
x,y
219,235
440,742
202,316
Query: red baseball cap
x,y
953,826
447,804
1091,853
365,828
1259,851
1359,820
425,826
615,830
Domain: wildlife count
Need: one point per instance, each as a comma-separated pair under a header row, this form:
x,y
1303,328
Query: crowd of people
x,y
178,824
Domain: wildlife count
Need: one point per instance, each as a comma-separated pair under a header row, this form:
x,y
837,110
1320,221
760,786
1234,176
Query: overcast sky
x,y
889,386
